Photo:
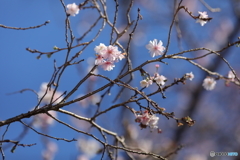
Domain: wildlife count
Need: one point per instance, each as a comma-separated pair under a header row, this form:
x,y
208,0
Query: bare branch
x,y
209,7
46,134
33,27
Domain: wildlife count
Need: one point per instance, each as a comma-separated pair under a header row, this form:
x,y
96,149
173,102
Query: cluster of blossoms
x,y
209,83
107,56
146,119
159,79
155,49
202,15
72,9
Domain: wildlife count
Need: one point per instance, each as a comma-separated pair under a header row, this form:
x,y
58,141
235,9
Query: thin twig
x,y
63,139
1,149
33,27
115,20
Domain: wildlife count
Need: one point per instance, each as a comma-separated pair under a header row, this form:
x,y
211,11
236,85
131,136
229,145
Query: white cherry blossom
x,y
153,122
145,82
202,15
231,76
209,83
190,76
100,49
72,9
160,79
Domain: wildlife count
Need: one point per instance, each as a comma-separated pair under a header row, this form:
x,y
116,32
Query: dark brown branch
x,y
46,134
2,152
33,27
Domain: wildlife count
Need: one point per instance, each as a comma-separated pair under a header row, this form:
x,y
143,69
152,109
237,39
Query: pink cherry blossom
x,y
146,119
155,48
72,9
190,76
209,83
143,118
202,15
111,53
99,60
107,65
107,56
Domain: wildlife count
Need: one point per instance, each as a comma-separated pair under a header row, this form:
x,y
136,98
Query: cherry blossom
x,y
99,60
153,121
89,147
155,48
43,120
231,76
107,65
111,53
49,152
72,9
100,49
146,119
160,79
146,82
202,15
107,56
119,56
209,83
189,76
48,96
